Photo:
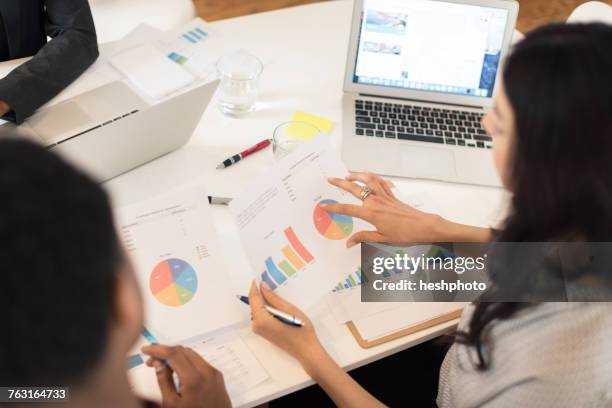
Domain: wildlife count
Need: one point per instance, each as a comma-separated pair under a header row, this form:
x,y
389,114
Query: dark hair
x,y
59,255
559,83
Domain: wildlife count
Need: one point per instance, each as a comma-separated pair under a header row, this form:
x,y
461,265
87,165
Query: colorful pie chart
x,y
173,282
330,225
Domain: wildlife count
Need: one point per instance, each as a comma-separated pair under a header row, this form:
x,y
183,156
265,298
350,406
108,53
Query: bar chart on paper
x,y
192,37
295,257
195,35
292,243
358,277
173,282
331,225
188,47
352,281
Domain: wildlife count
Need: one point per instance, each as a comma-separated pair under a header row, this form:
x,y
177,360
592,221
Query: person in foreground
x,y
552,132
71,304
24,28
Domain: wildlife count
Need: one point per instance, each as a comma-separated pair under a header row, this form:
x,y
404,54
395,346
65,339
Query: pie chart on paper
x,y
330,225
173,282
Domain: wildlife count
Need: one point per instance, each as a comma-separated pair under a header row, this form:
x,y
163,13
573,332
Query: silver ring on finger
x,y
365,192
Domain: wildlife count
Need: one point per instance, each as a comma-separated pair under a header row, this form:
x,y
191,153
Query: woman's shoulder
x,y
550,316
552,329
555,318
559,350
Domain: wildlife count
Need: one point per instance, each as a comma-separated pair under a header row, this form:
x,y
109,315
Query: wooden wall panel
x,y
533,13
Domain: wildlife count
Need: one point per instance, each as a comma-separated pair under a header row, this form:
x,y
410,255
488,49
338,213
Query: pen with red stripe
x,y
237,157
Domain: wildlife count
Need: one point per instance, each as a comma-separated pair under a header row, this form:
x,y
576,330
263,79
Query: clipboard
x,y
403,332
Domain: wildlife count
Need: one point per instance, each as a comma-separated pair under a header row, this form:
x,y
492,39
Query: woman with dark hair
x,y
552,132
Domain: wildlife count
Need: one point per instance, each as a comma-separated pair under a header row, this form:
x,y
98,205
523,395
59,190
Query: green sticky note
x,y
304,132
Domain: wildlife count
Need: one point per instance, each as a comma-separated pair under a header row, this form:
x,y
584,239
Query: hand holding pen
x,y
301,342
198,384
283,317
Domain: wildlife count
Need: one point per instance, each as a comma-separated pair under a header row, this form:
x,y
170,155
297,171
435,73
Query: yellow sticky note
x,y
306,132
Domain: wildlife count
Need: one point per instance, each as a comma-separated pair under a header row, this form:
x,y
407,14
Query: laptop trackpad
x,y
61,118
423,162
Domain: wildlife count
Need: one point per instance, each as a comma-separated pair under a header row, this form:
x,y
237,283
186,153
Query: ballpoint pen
x,y
237,157
280,315
138,359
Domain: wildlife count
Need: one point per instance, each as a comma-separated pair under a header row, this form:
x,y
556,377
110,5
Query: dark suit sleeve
x,y
73,48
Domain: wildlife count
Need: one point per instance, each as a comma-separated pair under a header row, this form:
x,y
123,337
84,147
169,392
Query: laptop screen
x,y
429,45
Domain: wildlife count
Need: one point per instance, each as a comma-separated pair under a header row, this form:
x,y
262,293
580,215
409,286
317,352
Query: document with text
x,y
173,245
293,244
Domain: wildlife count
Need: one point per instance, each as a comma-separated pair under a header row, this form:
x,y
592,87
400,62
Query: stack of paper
x,y
402,316
187,46
151,72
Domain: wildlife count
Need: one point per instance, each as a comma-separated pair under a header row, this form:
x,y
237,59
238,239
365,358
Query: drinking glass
x,y
288,136
239,73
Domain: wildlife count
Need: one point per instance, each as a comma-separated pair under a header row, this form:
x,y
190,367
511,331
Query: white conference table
x,y
303,50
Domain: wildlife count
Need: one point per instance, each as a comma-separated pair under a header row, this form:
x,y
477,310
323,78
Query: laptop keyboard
x,y
420,124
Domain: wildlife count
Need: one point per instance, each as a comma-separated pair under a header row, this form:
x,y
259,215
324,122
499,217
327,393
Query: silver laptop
x,y
419,76
110,130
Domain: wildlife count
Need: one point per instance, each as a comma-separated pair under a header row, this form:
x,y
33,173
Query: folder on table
x,y
405,319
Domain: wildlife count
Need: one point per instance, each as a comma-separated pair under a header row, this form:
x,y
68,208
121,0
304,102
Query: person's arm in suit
x,y
73,48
